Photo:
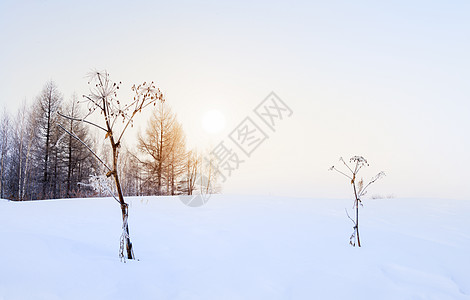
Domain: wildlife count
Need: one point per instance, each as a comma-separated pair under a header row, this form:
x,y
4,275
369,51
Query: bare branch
x,y
352,220
93,101
92,152
125,127
81,120
138,108
335,169
374,179
107,189
341,159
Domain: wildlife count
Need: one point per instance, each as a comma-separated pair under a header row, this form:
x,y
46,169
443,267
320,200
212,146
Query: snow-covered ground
x,y
235,248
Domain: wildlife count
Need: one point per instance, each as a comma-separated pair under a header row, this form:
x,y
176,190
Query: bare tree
x,y
103,99
176,159
4,147
129,173
357,163
192,165
31,138
23,142
77,160
164,147
200,173
192,170
20,130
22,153
49,102
209,170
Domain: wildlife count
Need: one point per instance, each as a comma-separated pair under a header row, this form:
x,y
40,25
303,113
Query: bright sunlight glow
x,y
213,121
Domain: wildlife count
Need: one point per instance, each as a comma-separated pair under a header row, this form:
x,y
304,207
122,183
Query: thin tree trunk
x,y
69,163
209,176
4,145
69,171
56,187
189,176
48,133
1,178
79,176
172,179
160,158
26,167
20,160
168,181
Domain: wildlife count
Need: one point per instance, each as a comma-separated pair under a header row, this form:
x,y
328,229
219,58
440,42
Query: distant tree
x,y
5,131
176,160
164,147
193,164
130,173
78,163
103,99
23,167
187,184
209,170
20,131
32,161
201,172
48,103
359,188
26,139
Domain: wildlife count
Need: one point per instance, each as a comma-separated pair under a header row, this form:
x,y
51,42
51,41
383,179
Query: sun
x,y
213,121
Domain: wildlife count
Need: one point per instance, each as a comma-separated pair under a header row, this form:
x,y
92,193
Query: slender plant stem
x,y
357,211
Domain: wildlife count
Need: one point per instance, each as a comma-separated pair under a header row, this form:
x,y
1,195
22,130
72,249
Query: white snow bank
x,y
235,248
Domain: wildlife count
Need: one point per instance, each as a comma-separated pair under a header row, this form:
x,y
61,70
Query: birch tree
x,y
23,142
30,174
4,148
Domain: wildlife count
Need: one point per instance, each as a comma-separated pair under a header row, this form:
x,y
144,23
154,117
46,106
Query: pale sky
x,y
389,81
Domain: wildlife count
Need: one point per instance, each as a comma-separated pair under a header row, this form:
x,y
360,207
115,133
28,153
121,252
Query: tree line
x,y
39,160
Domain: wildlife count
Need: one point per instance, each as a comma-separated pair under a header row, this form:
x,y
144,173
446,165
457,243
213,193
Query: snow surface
x,y
235,247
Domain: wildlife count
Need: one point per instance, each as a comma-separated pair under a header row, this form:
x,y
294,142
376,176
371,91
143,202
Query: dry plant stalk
x,y
356,163
103,99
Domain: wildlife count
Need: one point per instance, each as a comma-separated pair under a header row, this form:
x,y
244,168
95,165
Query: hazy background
x,y
388,81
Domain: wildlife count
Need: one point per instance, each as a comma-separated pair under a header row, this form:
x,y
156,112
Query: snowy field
x,y
235,248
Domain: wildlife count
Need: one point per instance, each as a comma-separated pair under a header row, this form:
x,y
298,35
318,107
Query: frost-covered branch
x,y
81,120
98,183
72,134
